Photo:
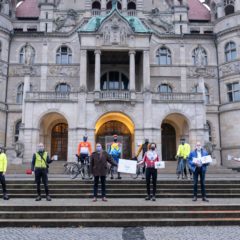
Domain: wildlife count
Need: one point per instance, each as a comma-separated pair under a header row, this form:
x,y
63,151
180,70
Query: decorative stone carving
x,y
208,72
115,32
229,69
161,24
106,107
29,54
19,148
19,71
3,69
65,23
63,71
200,56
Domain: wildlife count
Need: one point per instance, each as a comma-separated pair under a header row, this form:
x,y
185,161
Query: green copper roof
x,y
95,22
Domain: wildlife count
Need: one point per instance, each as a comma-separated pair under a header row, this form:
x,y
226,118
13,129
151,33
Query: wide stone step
x,y
118,222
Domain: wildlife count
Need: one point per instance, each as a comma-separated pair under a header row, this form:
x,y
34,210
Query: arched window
x,y
22,55
64,55
17,130
131,5
20,89
197,89
114,81
209,131
96,5
63,88
164,56
229,7
230,51
109,5
164,88
199,57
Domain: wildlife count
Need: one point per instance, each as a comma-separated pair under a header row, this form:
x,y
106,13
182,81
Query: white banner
x,y
159,164
127,166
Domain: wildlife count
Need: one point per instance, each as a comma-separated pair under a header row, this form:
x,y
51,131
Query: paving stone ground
x,y
148,233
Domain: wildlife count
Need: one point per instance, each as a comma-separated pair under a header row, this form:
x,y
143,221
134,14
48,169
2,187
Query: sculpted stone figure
x,y
29,54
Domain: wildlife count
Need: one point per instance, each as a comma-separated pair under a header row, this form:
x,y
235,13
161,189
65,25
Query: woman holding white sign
x,y
149,159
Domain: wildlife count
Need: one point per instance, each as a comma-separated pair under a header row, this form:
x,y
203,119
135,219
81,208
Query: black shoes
x,y
147,198
153,198
38,198
194,199
48,198
5,197
205,199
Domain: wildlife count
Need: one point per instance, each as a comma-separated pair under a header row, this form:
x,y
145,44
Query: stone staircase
x,y
71,206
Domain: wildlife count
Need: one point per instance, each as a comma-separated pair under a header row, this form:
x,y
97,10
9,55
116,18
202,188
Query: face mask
x,y
152,148
182,143
115,140
41,149
98,148
198,148
85,139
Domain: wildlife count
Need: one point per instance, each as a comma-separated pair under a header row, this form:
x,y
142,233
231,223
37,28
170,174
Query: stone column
x,y
103,5
220,10
44,67
183,68
26,89
124,5
83,69
146,70
237,6
97,69
132,70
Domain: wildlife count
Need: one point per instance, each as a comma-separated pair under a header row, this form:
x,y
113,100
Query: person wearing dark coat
x,y
98,166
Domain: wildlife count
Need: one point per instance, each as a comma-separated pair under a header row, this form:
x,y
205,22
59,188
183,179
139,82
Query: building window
x,y
63,88
64,55
209,131
131,6
229,7
164,88
114,81
20,90
17,130
233,91
109,5
164,56
197,89
96,5
199,57
230,51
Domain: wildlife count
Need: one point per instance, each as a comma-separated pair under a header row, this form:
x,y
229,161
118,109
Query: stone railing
x,y
51,96
178,97
96,12
114,95
132,13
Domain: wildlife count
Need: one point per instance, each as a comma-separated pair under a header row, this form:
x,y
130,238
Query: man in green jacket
x,y
3,169
40,163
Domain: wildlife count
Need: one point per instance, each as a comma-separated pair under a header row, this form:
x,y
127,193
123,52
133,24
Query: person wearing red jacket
x,y
149,159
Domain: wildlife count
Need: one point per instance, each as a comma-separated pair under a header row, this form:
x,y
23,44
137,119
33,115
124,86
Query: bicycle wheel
x,y
67,167
74,171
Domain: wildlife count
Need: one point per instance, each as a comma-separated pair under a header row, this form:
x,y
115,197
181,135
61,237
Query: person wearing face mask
x,y
39,167
84,149
198,169
149,160
115,152
144,148
182,154
98,167
3,169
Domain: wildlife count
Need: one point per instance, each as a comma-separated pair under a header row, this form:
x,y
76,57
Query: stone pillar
x,y
220,10
26,89
103,5
97,69
146,70
237,6
83,69
183,68
132,71
44,67
124,5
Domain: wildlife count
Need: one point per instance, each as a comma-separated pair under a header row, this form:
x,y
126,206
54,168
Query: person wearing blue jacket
x,y
198,169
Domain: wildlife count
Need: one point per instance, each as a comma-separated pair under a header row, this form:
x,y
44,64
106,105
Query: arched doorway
x,y
116,123
54,134
168,142
59,141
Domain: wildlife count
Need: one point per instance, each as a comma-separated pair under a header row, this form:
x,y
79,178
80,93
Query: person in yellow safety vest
x,y
183,152
3,169
143,148
40,163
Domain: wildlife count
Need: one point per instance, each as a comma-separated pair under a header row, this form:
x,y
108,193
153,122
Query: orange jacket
x,y
84,148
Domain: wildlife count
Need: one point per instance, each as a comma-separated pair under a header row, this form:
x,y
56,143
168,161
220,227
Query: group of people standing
x,y
100,159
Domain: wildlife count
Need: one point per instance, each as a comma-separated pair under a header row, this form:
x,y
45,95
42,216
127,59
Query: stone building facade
x,y
156,69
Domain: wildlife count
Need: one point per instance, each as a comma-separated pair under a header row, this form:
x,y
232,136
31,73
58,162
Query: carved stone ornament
x,y
161,24
115,32
29,54
207,72
229,69
65,23
20,71
63,71
3,69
